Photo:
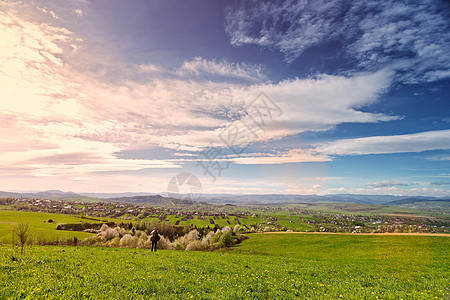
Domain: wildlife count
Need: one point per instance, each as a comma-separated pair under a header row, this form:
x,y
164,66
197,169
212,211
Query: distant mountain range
x,y
332,198
267,199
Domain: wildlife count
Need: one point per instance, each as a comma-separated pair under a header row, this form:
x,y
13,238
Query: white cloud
x,y
57,108
62,123
50,12
377,34
289,26
416,142
79,12
291,156
202,67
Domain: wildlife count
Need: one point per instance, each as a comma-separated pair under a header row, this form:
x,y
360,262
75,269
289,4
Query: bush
x,y
142,240
147,244
128,241
114,242
226,240
165,244
109,234
143,236
186,239
140,243
226,228
206,241
177,246
216,237
93,240
121,231
194,246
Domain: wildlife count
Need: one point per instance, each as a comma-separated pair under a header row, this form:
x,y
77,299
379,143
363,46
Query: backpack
x,y
155,237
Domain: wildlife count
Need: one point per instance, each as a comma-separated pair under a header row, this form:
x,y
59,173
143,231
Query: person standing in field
x,y
154,237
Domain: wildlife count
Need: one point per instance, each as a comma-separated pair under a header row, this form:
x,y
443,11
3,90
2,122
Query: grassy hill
x,y
266,266
41,229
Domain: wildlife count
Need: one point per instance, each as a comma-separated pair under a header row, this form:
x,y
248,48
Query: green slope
x,y
269,266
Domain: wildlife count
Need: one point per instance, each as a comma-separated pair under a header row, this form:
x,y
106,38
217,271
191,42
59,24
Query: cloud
x,y
50,12
200,69
50,102
416,142
383,184
440,183
290,26
291,156
59,122
438,158
410,37
78,12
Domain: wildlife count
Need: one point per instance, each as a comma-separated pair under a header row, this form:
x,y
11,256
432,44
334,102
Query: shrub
x,y
109,234
216,237
226,240
114,242
177,246
140,243
194,246
128,241
104,227
121,231
186,239
93,240
226,228
147,243
143,236
206,241
165,244
142,239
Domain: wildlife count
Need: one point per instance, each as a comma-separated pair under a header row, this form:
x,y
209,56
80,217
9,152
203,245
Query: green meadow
x,y
41,229
265,266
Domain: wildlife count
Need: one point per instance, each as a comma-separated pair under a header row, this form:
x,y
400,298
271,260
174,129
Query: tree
x,y
22,230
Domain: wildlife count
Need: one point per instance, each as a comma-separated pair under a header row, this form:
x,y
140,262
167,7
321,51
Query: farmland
x,y
323,217
265,266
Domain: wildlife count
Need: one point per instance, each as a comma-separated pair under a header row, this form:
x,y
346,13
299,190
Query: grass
x,y
40,230
369,209
266,266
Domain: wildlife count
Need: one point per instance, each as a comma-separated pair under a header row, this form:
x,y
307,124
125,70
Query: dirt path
x,y
386,233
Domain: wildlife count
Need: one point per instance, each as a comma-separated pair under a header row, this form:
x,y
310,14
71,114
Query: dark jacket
x,y
154,236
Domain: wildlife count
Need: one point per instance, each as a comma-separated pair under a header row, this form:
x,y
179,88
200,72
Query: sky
x,y
249,97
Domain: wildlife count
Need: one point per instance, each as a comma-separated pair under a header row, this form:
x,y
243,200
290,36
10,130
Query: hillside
x,y
246,199
265,266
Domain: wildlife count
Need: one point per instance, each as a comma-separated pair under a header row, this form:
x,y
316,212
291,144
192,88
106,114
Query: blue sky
x,y
297,97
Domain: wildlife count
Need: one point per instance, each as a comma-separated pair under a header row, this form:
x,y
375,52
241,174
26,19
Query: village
x,y
250,218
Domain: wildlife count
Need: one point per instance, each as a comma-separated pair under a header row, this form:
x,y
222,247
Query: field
x,y
40,230
265,266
